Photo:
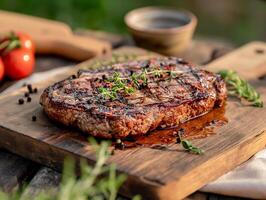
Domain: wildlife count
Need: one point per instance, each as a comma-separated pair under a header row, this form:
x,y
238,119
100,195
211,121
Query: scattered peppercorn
x,y
259,51
35,90
29,86
29,99
33,118
181,61
73,76
104,77
20,101
26,94
119,144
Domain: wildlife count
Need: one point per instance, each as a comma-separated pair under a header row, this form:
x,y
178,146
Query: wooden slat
x,y
45,179
248,61
154,173
14,170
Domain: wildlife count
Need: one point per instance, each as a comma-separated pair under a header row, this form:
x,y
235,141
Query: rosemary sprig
x,y
188,146
241,88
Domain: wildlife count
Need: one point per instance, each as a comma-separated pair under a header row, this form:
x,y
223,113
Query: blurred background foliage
x,y
237,21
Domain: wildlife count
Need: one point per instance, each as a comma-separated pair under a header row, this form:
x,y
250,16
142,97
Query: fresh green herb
x,y
90,185
188,146
117,83
107,93
241,88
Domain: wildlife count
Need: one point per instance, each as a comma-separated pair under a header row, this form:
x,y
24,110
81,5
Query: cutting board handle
x,y
74,47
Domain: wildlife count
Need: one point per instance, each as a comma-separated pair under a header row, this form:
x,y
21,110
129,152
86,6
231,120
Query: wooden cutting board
x,y
53,37
155,174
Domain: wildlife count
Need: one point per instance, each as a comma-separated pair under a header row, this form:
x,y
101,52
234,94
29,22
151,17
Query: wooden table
x,y
16,171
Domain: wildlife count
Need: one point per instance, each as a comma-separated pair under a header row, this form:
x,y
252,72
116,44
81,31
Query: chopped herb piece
x,y
188,146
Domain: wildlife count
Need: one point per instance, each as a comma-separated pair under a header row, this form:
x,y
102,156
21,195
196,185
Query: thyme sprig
x,y
241,88
116,83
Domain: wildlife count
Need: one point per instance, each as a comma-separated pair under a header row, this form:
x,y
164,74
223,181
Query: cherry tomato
x,y
26,41
18,63
17,40
1,69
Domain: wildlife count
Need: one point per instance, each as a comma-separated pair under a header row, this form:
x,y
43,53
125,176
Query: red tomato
x,y
23,39
1,69
26,41
18,63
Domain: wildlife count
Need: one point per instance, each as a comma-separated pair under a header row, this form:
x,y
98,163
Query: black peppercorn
x,y
104,77
119,144
29,86
182,62
29,99
259,51
35,90
33,118
73,76
20,101
26,94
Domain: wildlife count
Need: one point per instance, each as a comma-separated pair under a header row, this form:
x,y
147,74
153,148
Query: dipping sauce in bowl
x,y
164,30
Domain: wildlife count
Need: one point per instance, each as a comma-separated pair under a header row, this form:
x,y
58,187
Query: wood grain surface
x,y
154,173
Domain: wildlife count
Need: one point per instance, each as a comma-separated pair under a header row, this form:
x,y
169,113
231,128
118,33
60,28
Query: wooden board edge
x,y
236,156
139,185
132,186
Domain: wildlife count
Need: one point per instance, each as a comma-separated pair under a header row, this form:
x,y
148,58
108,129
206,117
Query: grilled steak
x,y
132,98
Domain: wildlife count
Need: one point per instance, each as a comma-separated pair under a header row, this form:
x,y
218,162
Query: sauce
x,y
199,127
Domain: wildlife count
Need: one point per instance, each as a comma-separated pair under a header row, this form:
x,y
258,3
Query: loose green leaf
x,y
187,145
241,88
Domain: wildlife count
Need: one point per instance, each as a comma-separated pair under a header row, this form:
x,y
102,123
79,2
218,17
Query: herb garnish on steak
x,y
133,98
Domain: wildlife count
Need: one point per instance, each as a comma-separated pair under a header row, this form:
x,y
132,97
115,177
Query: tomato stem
x,y
12,42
